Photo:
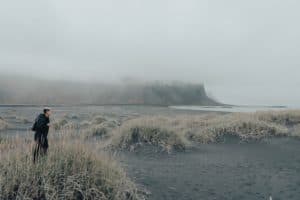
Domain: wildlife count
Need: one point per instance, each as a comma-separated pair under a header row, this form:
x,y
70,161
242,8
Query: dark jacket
x,y
41,127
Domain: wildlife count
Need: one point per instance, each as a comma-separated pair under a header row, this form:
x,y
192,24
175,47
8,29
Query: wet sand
x,y
220,171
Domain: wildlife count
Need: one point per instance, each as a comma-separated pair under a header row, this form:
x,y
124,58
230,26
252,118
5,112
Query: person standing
x,y
41,129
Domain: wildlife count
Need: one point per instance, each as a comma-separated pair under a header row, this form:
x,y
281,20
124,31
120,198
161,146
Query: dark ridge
x,y
24,91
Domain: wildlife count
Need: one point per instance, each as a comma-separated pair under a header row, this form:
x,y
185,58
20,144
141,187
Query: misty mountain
x,y
19,90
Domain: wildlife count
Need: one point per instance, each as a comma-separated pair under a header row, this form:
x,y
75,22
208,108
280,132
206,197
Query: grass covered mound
x,y
246,127
177,132
287,118
63,123
70,171
99,127
148,130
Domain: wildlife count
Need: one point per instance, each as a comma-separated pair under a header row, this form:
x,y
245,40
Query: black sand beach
x,y
221,171
230,170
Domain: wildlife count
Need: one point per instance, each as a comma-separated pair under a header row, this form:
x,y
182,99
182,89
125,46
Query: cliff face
x,y
27,91
181,94
164,94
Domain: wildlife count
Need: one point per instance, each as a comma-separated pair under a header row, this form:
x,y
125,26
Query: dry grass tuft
x,y
85,124
71,170
63,124
287,117
98,119
246,127
97,131
3,124
155,131
180,131
102,130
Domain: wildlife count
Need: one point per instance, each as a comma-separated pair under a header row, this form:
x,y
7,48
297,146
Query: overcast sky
x,y
245,52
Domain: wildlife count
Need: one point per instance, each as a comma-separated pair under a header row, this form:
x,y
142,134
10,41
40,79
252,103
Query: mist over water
x,y
245,53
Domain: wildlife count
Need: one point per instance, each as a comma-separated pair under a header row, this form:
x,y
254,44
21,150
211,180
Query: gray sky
x,y
245,52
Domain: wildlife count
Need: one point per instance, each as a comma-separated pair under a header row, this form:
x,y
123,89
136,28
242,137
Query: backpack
x,y
34,126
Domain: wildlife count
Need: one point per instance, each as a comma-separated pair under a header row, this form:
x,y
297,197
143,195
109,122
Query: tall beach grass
x,y
178,132
71,170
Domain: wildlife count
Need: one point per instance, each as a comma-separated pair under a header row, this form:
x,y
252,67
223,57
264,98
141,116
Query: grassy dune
x,y
72,170
287,118
155,131
181,131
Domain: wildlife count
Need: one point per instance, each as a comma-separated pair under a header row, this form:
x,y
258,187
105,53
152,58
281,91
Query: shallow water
x,y
221,171
231,108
